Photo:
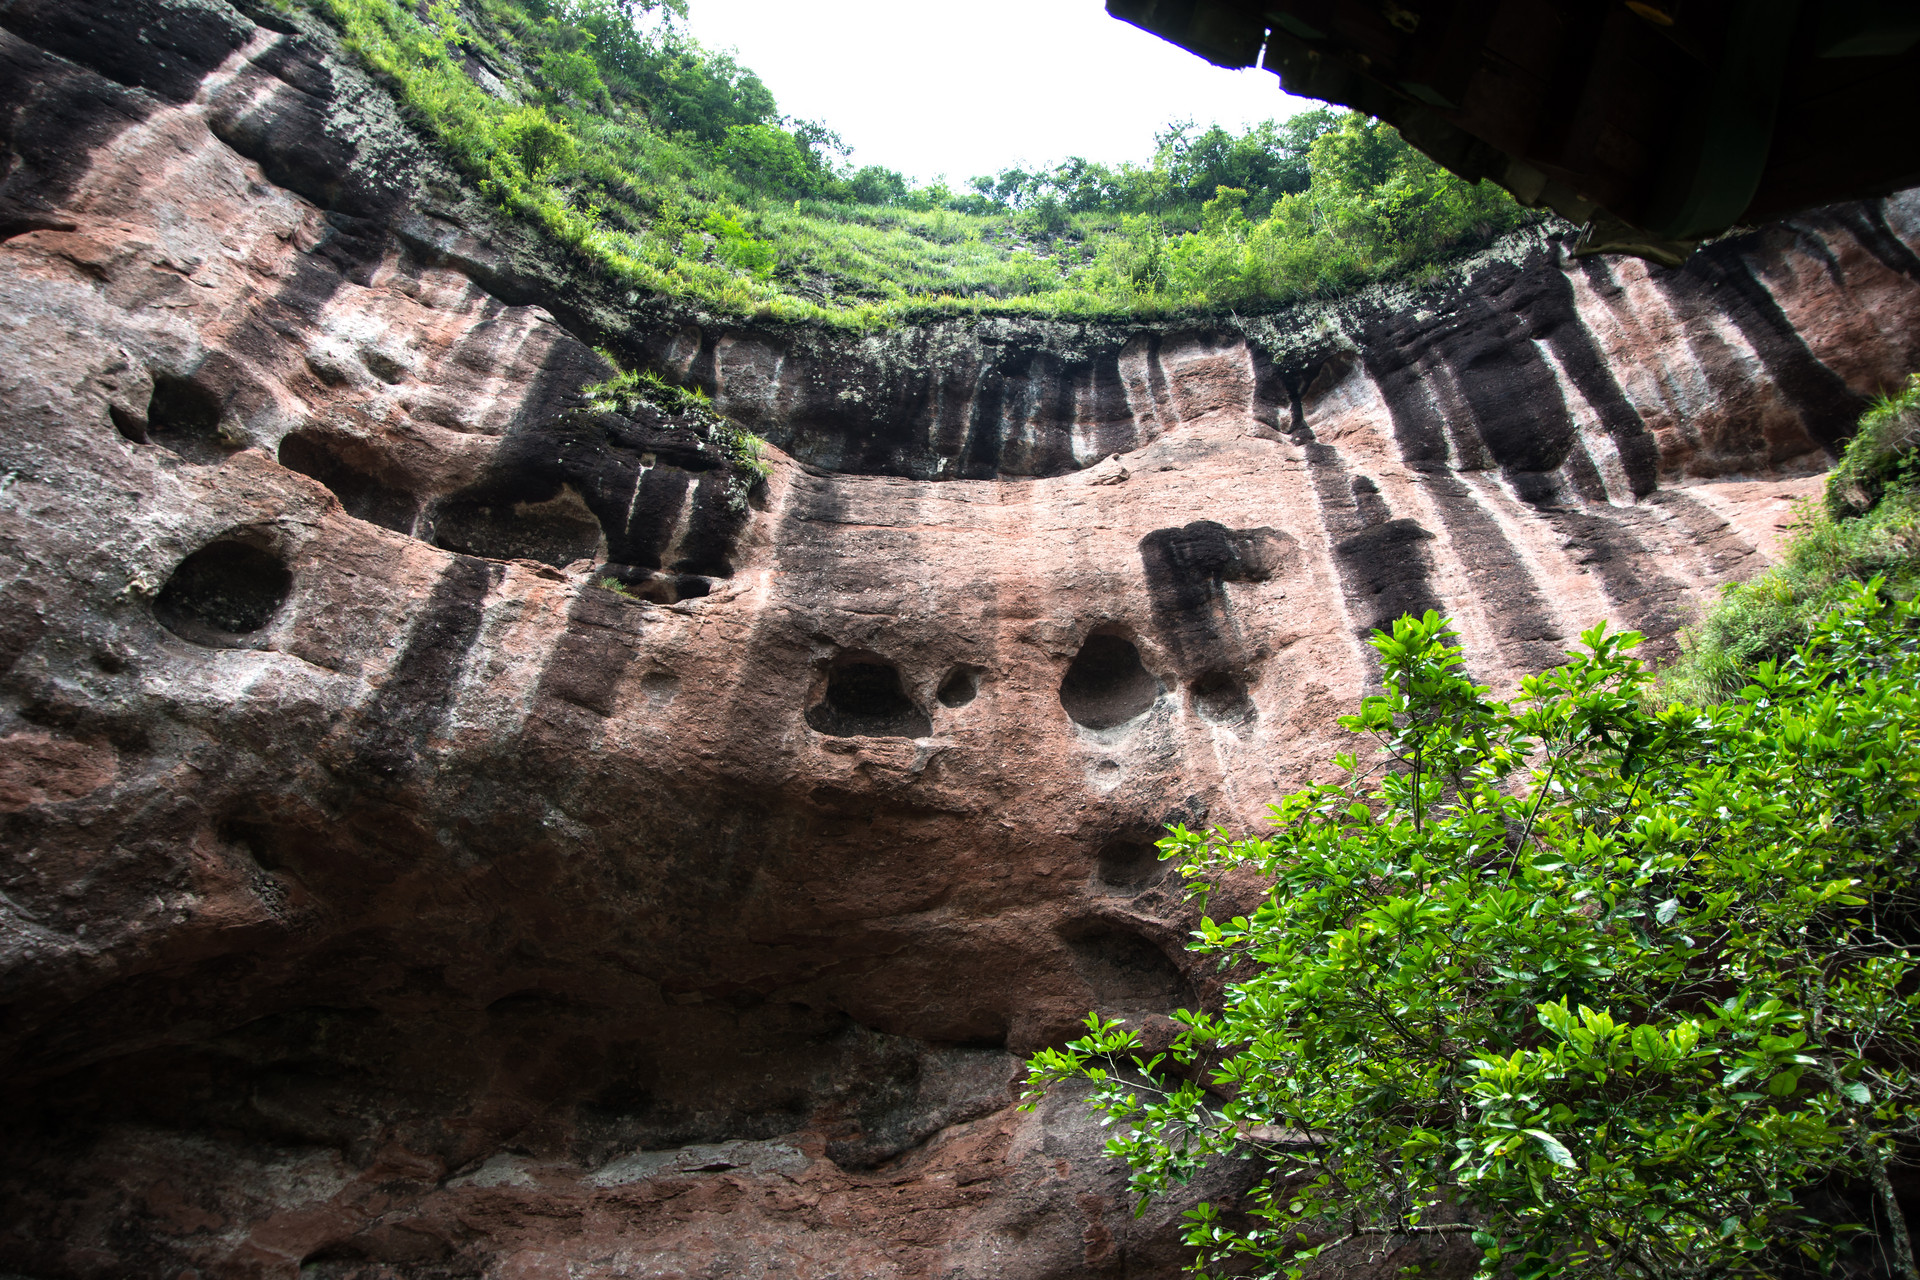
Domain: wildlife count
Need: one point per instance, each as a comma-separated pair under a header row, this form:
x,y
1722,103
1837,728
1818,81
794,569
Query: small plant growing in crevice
x,y
616,586
743,452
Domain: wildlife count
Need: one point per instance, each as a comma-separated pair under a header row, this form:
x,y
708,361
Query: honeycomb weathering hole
x,y
1105,685
184,416
1128,865
363,495
556,530
1220,698
864,700
960,687
1126,972
222,592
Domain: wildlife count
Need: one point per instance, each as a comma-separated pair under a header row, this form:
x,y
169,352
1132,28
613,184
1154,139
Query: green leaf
x,y
1555,1149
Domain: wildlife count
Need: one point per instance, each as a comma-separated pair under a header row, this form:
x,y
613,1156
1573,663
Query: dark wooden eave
x,y
1657,123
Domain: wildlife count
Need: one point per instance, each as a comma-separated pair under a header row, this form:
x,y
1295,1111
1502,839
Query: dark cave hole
x,y
864,700
257,839
1220,698
960,687
1106,685
1125,970
362,494
223,591
184,416
1128,866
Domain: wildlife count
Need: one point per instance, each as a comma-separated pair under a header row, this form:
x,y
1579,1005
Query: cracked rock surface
x,y
381,897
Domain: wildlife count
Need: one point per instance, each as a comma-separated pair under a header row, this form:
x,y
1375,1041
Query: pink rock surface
x,y
383,898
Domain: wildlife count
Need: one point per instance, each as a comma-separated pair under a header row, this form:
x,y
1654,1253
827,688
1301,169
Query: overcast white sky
x,y
967,89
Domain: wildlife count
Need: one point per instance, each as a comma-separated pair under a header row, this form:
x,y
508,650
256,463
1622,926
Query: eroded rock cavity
x,y
222,593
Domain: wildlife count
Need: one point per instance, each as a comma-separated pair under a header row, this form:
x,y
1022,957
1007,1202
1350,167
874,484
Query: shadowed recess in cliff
x,y
961,686
863,699
223,593
1125,972
557,530
649,492
415,696
930,404
1105,685
1128,866
352,473
183,415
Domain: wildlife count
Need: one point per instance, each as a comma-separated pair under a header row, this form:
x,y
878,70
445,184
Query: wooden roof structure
x,y
1657,123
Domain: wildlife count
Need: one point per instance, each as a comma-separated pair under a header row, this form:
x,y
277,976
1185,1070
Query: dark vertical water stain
x,y
415,697
706,547
1519,614
1380,562
980,458
593,653
1867,223
1163,406
1718,280
1556,321
1114,427
662,493
1630,577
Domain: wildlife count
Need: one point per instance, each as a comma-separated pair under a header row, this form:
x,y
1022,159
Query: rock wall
x,y
384,898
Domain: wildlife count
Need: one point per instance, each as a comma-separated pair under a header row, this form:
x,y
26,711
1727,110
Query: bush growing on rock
x,y
1624,1018
1868,526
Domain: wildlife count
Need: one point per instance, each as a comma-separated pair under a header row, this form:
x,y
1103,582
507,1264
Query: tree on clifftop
x,y
1618,1021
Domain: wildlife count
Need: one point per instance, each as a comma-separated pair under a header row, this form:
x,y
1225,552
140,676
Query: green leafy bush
x,y
737,245
1618,1020
537,144
570,71
1883,457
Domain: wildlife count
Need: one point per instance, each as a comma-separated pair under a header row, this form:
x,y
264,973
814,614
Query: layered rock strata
x,y
383,897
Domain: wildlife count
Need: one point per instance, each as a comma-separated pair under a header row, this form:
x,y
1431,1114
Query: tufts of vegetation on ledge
x,y
1867,526
669,169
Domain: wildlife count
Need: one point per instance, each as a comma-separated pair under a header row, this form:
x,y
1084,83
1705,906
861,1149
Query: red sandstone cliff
x,y
381,898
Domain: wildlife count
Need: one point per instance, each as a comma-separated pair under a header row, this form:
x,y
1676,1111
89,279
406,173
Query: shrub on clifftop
x,y
1618,1020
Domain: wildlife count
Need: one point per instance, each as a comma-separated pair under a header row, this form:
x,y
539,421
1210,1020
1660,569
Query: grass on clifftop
x,y
669,169
1867,525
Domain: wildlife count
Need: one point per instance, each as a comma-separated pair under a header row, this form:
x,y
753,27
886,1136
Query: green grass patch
x,y
1866,525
